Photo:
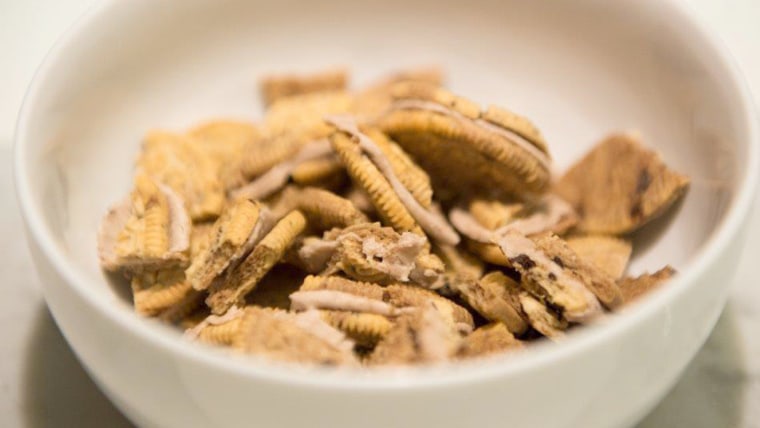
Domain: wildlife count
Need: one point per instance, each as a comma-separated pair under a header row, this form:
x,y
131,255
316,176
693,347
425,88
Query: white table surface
x,y
43,385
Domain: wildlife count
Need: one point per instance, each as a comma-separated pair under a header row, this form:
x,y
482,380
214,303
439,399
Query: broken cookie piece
x,y
178,162
303,338
608,253
368,165
547,278
241,226
495,297
543,319
246,275
487,340
633,288
619,186
447,133
366,329
423,336
150,231
276,87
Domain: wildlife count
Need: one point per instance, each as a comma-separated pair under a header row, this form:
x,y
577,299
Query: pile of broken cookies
x,y
398,224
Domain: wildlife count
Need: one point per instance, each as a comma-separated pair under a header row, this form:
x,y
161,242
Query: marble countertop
x,y
43,385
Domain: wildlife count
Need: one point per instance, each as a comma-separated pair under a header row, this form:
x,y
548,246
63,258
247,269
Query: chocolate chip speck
x,y
524,261
386,296
636,211
552,276
558,261
642,184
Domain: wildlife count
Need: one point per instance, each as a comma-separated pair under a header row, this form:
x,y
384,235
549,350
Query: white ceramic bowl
x,y
578,68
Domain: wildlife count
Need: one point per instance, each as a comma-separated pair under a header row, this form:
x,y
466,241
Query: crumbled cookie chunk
x,y
495,297
366,329
303,338
324,209
177,161
150,231
277,87
633,288
548,278
157,292
224,141
543,319
487,340
233,236
608,253
245,276
423,336
619,186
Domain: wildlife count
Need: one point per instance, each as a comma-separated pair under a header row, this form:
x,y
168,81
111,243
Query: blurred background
x,y
43,385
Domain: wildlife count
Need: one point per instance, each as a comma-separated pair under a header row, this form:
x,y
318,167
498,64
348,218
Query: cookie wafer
x,y
619,186
446,133
265,254
276,87
177,161
486,340
150,231
633,288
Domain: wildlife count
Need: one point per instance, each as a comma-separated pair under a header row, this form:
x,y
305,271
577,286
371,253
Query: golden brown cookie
x,y
326,171
153,293
276,87
372,102
369,252
303,338
423,336
234,234
371,169
366,329
595,279
265,254
487,340
608,253
633,288
493,213
224,141
446,133
619,186
177,161
545,275
324,209
495,297
366,175
149,231
276,178
402,295
544,320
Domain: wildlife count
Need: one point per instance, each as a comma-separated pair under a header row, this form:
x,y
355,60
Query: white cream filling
x,y
231,314
108,233
311,322
397,259
277,177
554,210
179,223
338,300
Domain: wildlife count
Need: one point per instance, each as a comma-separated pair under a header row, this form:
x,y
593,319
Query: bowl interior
x,y
578,69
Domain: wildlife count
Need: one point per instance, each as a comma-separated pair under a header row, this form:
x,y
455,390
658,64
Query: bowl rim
x,y
537,356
